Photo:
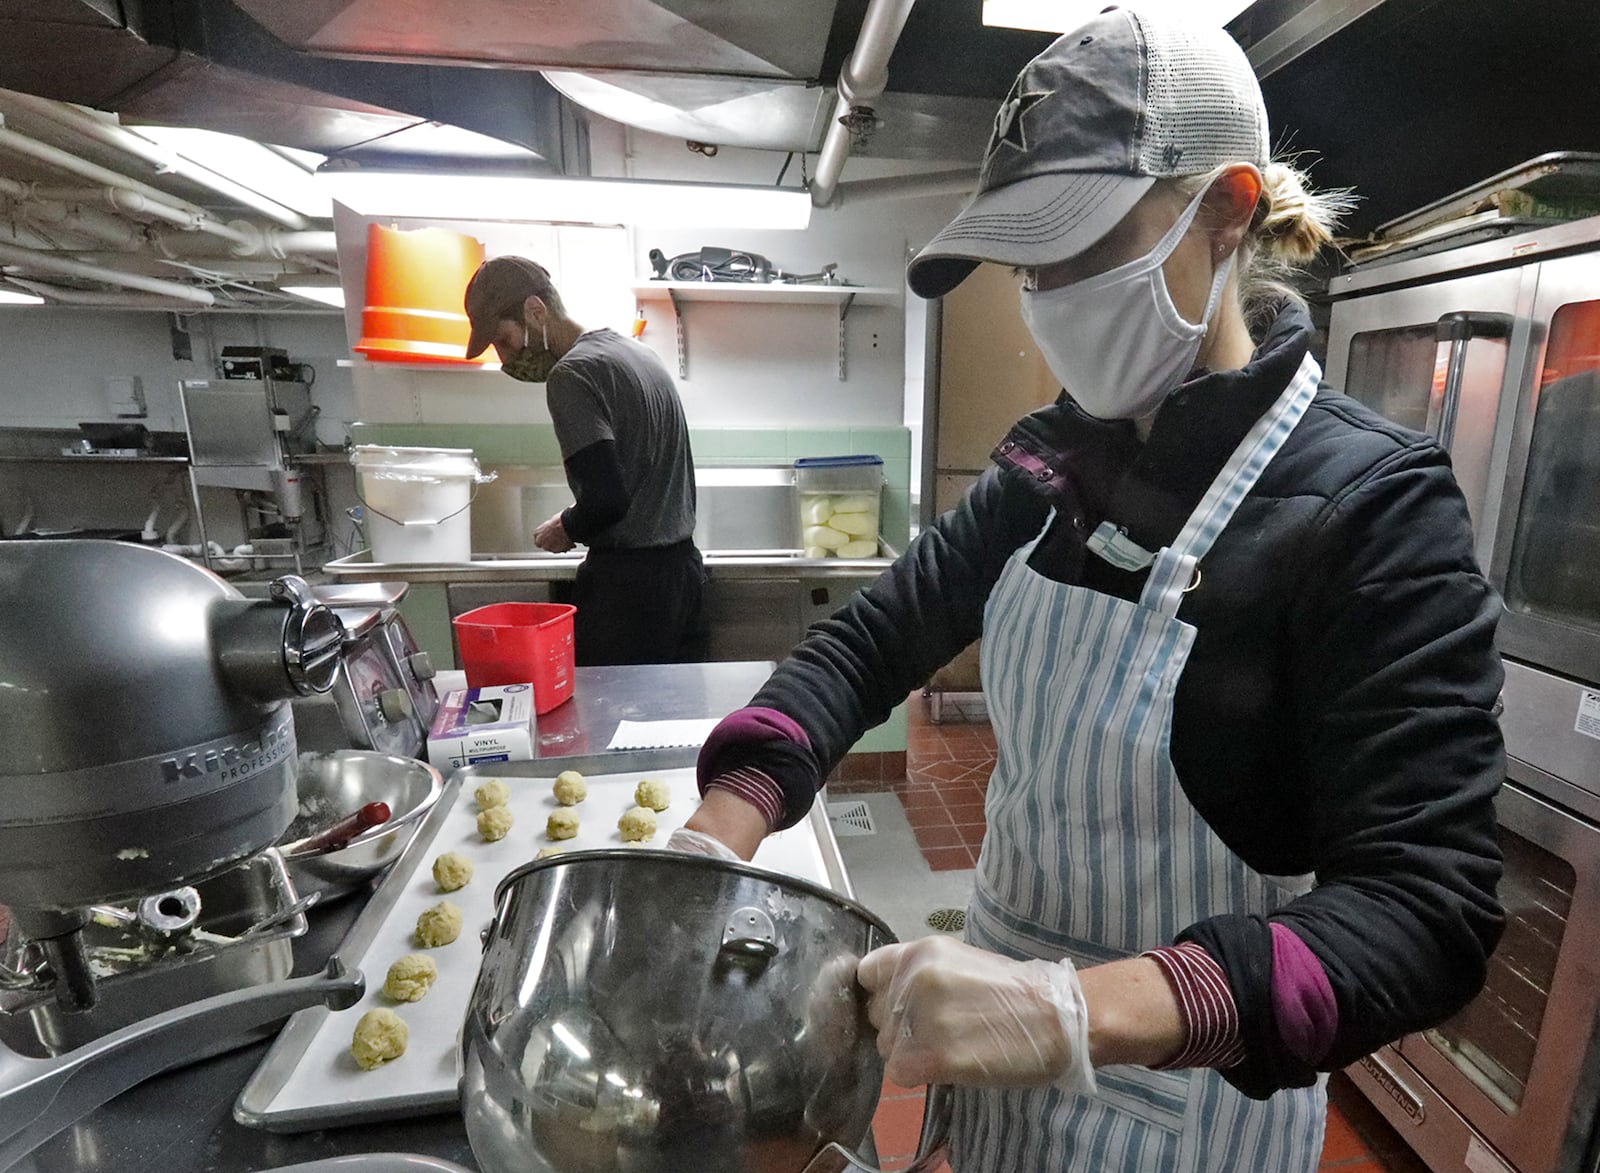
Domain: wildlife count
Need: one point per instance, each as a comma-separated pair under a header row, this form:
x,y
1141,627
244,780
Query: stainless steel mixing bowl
x,y
650,1012
329,786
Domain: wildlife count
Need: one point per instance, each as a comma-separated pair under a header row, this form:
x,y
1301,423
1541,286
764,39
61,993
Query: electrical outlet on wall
x,y
125,394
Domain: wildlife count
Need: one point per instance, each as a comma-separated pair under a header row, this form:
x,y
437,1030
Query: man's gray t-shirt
x,y
608,387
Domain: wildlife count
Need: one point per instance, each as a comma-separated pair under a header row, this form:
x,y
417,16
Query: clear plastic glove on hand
x,y
699,843
950,1013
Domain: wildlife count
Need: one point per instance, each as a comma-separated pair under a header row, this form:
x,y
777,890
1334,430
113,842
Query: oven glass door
x,y
1555,549
1514,1060
1547,560
1391,371
1436,358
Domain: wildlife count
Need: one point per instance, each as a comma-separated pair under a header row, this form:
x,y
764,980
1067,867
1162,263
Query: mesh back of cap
x,y
1203,107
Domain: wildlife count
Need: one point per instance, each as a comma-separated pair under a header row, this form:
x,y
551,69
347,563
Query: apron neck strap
x,y
1175,566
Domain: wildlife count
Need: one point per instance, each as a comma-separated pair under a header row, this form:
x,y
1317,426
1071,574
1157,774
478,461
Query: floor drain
x,y
948,920
851,818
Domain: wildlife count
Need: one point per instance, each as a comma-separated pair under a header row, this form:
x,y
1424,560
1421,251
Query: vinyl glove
x,y
950,1013
699,843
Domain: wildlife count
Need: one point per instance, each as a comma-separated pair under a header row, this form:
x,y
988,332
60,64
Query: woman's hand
x,y
949,1013
727,819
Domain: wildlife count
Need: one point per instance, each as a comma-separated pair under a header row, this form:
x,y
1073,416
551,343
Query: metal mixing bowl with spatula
x,y
328,787
650,1012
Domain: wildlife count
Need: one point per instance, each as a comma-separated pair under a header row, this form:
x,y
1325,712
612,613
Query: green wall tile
x,y
765,443
890,737
897,474
818,442
889,443
895,521
426,609
708,443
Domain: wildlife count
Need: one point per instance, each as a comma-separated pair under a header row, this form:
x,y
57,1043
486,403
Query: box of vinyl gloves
x,y
482,725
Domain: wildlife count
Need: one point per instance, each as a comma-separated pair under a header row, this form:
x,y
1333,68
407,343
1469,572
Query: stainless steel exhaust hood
x,y
731,38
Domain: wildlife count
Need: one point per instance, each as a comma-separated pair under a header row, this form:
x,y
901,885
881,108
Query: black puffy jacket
x,y
1336,712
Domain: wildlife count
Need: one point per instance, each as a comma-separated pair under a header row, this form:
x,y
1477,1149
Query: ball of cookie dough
x,y
562,824
547,852
438,925
494,822
492,793
637,823
571,789
653,793
380,1036
452,870
409,978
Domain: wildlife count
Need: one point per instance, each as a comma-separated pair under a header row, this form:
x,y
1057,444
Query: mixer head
x,y
147,737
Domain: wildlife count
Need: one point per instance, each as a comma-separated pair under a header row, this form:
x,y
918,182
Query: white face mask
x,y
1115,340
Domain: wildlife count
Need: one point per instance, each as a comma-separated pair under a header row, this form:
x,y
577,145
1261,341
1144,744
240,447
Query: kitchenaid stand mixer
x,y
146,743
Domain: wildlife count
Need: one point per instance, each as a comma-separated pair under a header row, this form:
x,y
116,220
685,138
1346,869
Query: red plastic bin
x,y
519,643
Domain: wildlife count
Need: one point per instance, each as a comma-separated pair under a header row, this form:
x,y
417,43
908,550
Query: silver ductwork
x,y
731,38
207,64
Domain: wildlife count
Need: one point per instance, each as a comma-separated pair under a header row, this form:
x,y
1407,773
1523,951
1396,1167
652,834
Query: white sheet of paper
x,y
661,734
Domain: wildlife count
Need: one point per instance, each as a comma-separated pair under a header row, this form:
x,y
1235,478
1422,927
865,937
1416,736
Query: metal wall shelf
x,y
752,293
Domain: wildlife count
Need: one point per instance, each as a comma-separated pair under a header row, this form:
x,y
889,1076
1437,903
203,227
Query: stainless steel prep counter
x,y
182,1122
535,567
758,603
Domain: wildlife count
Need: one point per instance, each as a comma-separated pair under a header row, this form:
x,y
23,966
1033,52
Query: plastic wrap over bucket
x,y
417,501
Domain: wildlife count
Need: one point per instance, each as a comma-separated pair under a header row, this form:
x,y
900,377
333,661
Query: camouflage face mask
x,y
529,365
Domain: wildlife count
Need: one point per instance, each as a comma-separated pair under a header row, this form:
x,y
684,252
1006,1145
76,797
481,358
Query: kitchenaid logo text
x,y
230,763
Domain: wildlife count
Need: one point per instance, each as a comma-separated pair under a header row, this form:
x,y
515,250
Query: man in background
x,y
625,448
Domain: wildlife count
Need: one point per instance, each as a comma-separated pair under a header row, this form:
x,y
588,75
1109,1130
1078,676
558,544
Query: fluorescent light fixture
x,y
7,297
326,294
655,204
248,164
1062,16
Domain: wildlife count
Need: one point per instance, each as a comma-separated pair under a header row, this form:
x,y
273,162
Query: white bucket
x,y
416,501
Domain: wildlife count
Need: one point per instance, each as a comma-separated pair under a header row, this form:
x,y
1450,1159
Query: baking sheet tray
x,y
308,1080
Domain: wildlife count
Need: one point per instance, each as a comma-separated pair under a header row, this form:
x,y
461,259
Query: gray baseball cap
x,y
1088,127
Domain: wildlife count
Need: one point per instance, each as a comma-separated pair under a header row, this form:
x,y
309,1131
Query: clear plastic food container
x,y
840,501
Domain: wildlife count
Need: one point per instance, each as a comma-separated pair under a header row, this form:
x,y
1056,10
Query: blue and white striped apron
x,y
1094,852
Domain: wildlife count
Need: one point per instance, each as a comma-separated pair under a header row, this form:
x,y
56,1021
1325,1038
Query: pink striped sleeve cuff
x,y
1206,1001
755,788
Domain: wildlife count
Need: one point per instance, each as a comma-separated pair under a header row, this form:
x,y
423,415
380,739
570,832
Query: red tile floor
x,y
947,772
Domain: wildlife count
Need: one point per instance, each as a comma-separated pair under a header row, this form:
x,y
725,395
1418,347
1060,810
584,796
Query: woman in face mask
x,y
1237,653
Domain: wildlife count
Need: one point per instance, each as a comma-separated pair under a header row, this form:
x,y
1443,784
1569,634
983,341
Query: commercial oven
x,y
1494,348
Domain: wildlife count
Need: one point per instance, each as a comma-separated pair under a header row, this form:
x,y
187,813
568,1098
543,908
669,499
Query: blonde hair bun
x,y
1292,222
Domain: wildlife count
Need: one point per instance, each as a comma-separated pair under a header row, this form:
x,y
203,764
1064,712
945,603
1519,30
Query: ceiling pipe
x,y
124,194
45,262
862,80
118,299
906,187
83,122
314,244
239,233
103,229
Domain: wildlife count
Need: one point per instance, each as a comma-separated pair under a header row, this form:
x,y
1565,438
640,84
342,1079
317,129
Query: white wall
x,y
54,362
747,365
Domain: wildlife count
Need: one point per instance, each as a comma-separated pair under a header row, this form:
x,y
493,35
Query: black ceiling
x,y
1413,101
945,49
1421,98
